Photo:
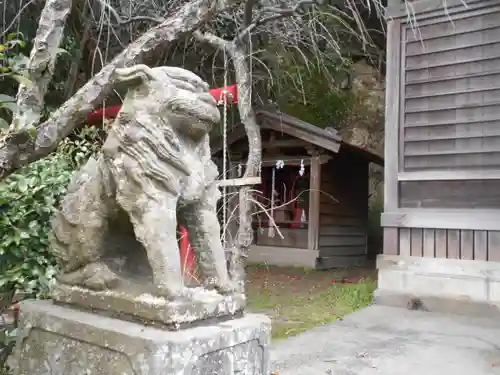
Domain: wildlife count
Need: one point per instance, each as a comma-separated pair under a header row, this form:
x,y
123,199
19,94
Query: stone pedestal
x,y
57,340
136,303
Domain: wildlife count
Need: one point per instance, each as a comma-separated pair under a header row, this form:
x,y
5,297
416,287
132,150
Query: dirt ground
x,y
298,299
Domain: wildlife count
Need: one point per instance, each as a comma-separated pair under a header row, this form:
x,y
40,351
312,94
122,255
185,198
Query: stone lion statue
x,y
155,167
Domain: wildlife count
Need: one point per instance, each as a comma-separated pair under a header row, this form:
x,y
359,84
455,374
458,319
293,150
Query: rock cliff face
x,y
364,126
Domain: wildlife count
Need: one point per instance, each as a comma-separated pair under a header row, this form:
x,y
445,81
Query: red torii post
x,y
188,258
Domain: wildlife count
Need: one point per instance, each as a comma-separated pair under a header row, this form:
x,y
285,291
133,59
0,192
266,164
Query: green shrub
x,y
27,201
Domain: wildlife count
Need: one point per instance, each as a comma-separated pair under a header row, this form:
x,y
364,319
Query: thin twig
x,y
278,14
16,17
123,22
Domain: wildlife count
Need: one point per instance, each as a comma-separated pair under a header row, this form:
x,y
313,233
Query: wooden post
x,y
392,122
314,201
392,116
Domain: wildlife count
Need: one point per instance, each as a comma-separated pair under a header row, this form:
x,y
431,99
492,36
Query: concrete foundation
x,y
441,285
56,340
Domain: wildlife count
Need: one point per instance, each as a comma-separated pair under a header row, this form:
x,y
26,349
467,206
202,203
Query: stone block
x,y
59,340
136,302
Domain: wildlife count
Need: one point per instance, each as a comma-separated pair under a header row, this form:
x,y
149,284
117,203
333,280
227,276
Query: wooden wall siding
x,y
343,207
450,94
292,237
428,9
450,194
443,243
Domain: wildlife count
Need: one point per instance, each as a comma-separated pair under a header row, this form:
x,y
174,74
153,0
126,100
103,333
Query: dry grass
x,y
299,299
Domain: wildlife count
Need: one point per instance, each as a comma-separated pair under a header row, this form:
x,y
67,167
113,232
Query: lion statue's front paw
x,y
224,288
95,276
172,293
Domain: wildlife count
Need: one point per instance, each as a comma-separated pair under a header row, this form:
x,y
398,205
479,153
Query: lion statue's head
x,y
175,94
160,135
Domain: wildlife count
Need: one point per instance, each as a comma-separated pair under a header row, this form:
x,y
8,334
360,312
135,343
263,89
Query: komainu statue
x,y
153,172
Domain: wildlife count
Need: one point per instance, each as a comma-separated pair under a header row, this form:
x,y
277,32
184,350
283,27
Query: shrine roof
x,y
327,139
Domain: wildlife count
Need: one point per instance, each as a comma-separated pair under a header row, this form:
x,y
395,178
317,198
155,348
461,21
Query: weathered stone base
x,y
136,304
56,340
443,285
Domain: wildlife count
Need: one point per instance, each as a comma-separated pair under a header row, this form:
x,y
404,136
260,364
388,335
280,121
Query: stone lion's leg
x,y
79,229
155,226
95,275
200,218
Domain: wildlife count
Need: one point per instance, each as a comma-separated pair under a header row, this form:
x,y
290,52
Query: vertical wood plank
x,y
480,245
392,100
494,246
402,105
314,204
405,241
441,243
393,6
391,241
453,244
417,242
429,243
467,244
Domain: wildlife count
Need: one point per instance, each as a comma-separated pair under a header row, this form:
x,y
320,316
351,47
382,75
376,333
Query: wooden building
x,y
442,173
320,200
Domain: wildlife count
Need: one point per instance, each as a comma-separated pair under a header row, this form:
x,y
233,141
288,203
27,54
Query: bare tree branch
x,y
123,22
30,99
243,75
22,147
244,83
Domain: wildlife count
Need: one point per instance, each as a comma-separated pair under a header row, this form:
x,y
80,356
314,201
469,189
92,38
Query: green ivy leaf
x,y
12,36
32,131
3,124
6,98
19,63
22,185
22,80
8,102
15,42
27,201
61,51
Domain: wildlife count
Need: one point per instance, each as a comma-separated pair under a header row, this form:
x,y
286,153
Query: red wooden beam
x,y
232,94
98,115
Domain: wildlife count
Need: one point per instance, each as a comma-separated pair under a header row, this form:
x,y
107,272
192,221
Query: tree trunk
x,y
49,35
244,237
21,147
245,234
